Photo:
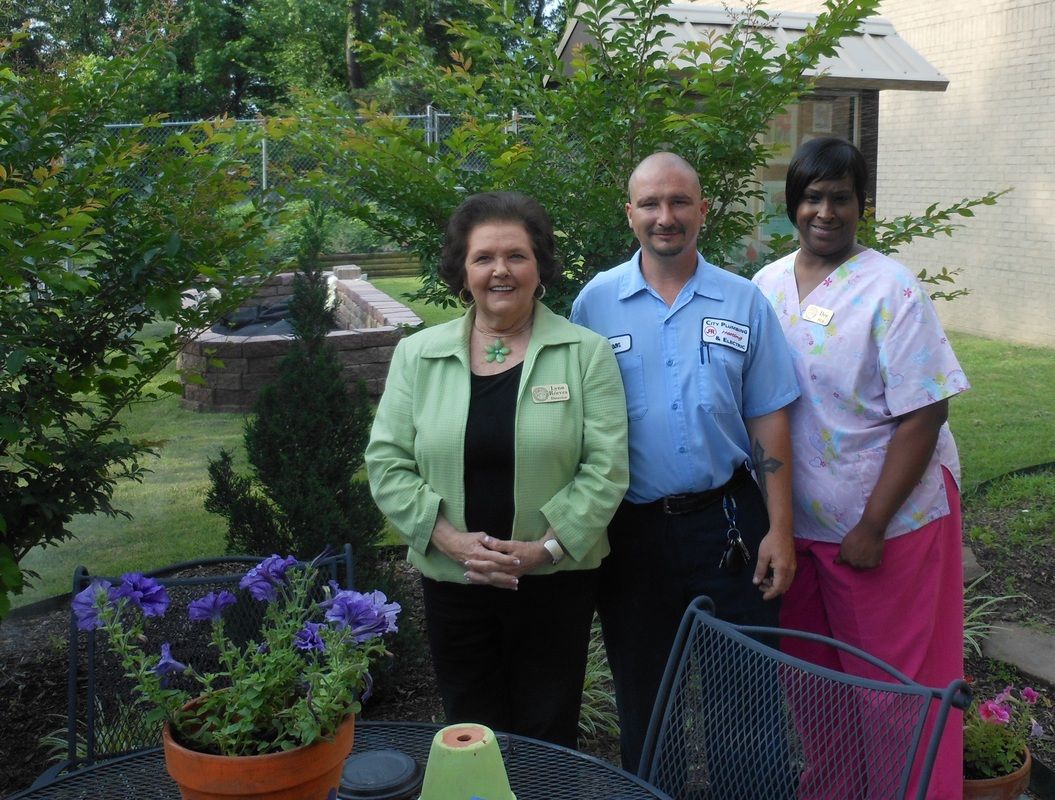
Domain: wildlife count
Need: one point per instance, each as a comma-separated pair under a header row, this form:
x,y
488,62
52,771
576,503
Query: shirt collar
x,y
704,280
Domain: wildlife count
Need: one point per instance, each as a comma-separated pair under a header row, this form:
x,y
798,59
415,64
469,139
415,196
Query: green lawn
x,y
1006,421
168,521
399,288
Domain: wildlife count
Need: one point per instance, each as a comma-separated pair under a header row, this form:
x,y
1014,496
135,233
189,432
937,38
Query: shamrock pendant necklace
x,y
498,349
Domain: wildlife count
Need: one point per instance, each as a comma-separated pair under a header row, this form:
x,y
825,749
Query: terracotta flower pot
x,y
1006,787
306,773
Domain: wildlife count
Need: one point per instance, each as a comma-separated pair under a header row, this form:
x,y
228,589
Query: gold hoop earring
x,y
465,301
536,294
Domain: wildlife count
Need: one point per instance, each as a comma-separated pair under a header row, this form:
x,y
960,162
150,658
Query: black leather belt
x,y
692,502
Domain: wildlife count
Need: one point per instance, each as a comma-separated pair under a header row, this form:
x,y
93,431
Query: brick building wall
x,y
990,130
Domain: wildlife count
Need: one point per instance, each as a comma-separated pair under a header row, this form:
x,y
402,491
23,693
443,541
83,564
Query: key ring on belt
x,y
736,555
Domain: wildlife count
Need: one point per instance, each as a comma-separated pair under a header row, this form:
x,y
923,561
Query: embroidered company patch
x,y
725,332
550,393
620,344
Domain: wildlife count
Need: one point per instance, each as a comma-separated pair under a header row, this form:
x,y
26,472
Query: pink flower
x,y
1005,695
992,711
1030,695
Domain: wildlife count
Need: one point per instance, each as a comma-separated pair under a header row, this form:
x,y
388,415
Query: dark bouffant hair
x,y
824,159
497,207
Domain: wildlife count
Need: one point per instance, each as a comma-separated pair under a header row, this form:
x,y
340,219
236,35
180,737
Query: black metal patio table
x,y
537,770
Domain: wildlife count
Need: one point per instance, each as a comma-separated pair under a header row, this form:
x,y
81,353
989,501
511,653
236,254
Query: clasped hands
x,y
489,561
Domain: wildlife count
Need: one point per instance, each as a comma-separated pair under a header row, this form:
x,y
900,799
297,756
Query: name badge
x,y
550,393
726,333
822,316
620,344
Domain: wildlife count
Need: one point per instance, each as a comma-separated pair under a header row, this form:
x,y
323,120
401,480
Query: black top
x,y
490,448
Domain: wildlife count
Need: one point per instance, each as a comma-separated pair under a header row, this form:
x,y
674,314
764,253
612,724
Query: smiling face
x,y
827,217
666,210
501,273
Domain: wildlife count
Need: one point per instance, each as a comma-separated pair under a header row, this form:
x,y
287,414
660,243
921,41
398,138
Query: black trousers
x,y
658,564
514,661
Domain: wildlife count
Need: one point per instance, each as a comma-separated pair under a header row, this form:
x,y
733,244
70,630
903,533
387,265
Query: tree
x,y
237,57
101,236
570,138
305,444
578,134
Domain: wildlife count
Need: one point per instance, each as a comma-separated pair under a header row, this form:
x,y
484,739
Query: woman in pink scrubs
x,y
875,468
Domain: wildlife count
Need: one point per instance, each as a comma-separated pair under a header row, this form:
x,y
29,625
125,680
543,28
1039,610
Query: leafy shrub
x,y
305,443
101,235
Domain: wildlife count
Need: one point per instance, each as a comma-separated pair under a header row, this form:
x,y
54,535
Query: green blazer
x,y
571,466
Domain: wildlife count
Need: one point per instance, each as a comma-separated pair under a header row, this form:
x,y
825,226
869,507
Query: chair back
x,y
737,718
103,719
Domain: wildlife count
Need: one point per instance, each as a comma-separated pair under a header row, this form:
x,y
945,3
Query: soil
x,y
33,659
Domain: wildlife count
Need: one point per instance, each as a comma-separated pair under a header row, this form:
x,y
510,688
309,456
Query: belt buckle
x,y
667,509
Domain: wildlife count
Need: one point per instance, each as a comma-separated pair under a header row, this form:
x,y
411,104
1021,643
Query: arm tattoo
x,y
763,464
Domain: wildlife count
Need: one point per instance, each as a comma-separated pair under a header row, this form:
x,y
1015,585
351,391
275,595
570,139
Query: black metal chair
x,y
737,719
102,722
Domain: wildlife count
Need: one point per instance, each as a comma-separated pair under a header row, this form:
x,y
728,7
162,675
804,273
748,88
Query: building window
x,y
813,116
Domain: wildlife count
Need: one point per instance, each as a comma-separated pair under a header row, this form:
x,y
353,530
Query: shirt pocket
x,y
720,379
632,369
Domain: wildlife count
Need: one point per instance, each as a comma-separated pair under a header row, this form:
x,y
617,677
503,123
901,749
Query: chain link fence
x,y
273,161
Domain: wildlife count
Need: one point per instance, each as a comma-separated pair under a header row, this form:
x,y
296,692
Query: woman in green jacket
x,y
499,454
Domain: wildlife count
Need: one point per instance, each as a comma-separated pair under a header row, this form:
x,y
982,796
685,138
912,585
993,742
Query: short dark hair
x,y
485,207
825,159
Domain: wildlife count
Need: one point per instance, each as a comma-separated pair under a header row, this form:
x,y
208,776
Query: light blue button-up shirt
x,y
692,372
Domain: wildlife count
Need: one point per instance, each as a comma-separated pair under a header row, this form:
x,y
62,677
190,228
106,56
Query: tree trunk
x,y
354,72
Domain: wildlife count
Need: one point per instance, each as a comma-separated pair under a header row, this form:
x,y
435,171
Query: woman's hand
x,y
473,553
907,455
529,557
862,547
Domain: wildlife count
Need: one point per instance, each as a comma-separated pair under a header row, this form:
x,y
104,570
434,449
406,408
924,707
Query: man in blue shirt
x,y
707,376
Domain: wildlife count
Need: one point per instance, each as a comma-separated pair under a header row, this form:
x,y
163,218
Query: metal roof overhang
x,y
874,57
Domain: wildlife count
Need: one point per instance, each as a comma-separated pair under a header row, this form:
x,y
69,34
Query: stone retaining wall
x,y
234,368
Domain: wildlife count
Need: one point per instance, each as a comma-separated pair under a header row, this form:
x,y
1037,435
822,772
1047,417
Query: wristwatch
x,y
556,552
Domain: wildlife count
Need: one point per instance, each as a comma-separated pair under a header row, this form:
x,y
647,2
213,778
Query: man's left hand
x,y
776,564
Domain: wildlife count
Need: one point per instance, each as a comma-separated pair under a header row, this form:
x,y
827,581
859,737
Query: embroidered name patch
x,y
550,393
620,344
725,332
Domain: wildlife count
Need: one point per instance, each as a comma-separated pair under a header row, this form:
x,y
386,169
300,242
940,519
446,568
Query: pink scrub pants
x,y
907,612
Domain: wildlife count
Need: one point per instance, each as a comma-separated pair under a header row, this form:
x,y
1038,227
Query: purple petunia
x,y
146,594
1029,694
210,607
264,580
308,638
88,602
389,610
168,665
364,616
